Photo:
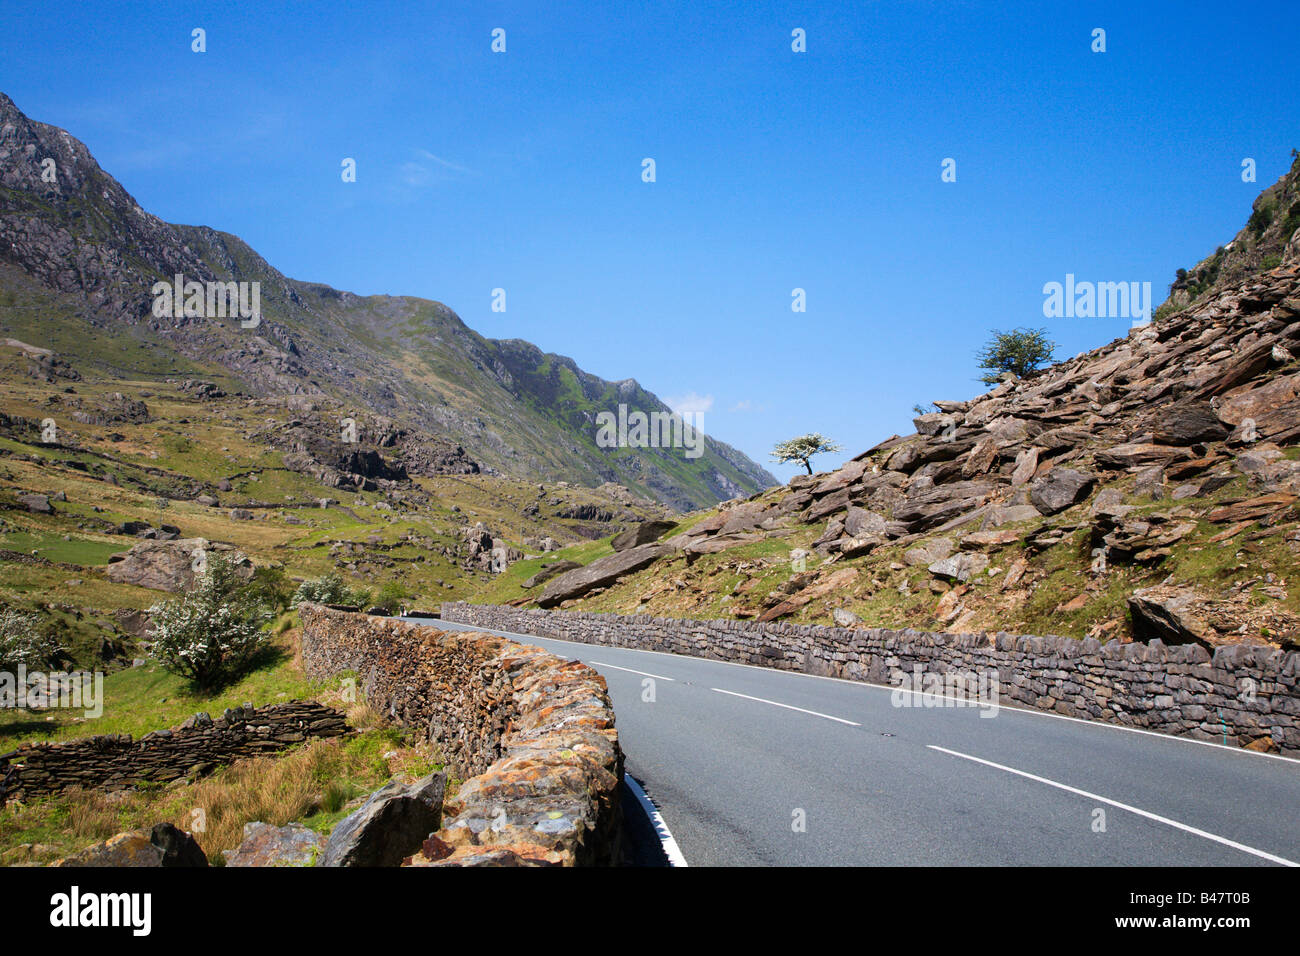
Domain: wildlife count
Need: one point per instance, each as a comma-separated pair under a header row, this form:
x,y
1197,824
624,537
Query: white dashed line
x,y
630,670
777,703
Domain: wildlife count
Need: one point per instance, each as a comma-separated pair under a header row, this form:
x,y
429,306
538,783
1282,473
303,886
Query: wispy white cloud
x,y
446,162
429,170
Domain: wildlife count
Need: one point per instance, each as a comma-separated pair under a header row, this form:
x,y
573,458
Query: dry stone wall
x,y
115,761
1240,692
533,733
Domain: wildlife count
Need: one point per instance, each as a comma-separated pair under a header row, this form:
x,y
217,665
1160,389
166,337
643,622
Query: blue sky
x,y
775,170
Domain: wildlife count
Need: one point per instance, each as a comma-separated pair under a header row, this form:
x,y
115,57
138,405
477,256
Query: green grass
x,y
52,547
141,699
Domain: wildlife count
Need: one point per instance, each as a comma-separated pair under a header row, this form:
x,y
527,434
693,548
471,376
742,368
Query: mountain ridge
x,y
70,227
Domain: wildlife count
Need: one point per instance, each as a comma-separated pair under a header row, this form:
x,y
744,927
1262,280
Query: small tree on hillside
x,y
22,641
1019,352
803,448
215,632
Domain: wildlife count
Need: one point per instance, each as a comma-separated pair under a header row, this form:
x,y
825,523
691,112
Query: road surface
x,y
752,766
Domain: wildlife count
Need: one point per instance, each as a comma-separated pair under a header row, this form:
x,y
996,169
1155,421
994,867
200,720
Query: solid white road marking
x,y
777,703
671,849
1122,806
630,670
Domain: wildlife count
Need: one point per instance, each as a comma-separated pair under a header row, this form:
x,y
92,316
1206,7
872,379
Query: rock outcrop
x,y
169,565
600,573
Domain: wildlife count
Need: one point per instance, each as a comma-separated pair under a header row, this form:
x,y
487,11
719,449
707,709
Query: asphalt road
x,y
751,766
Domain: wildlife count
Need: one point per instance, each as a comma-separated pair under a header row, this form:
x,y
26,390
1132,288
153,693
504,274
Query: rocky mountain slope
x,y
78,259
1146,488
1259,245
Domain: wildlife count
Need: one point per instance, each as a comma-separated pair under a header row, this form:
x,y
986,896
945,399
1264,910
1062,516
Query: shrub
x,y
390,596
329,590
1292,222
273,587
216,631
1167,308
1260,219
23,641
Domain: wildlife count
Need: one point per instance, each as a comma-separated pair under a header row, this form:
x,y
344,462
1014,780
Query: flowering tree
x,y
803,448
213,633
23,642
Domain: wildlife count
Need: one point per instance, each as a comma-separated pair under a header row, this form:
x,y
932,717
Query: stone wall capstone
x,y
1241,692
533,733
115,761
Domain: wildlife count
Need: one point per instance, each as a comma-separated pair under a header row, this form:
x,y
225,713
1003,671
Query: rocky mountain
x,y
1261,244
1146,488
78,261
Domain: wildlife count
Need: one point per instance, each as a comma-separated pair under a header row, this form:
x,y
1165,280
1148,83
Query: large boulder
x,y
1137,454
718,542
842,478
859,522
1058,489
600,573
934,506
390,826
999,515
988,540
267,845
1026,465
36,503
1186,423
1169,614
747,516
178,847
643,533
928,552
1274,407
168,565
960,567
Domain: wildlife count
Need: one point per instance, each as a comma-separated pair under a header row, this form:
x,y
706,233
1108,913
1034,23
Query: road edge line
x,y
666,839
